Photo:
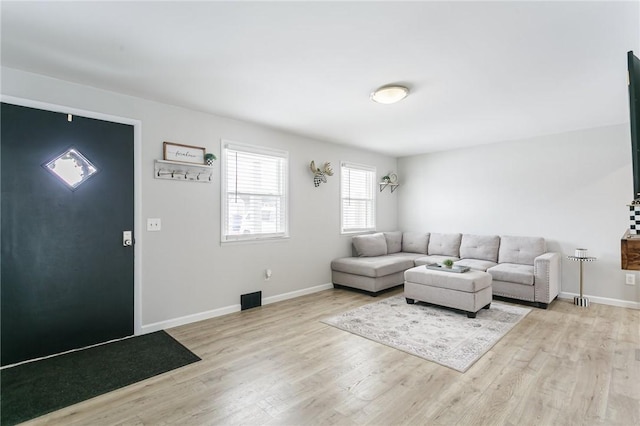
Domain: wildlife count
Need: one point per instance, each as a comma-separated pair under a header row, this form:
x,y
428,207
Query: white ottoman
x,y
468,291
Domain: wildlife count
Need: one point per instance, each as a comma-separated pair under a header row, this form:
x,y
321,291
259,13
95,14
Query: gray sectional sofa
x,y
520,267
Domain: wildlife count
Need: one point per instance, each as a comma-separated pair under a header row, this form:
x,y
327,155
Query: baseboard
x,y
602,300
297,293
188,319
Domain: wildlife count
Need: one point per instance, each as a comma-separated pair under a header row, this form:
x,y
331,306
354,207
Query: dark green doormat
x,y
36,388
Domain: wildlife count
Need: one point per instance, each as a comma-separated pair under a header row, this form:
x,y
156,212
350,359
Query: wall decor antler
x,y
320,175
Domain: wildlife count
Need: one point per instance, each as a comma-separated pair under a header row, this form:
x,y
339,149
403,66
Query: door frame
x,y
137,186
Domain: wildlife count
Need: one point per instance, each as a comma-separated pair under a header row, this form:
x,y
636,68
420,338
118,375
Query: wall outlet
x,y
630,279
154,224
267,274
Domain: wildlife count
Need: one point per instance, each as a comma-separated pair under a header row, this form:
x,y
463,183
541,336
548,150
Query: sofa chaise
x,y
520,267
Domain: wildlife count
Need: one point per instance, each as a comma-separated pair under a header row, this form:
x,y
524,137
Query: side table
x,y
581,300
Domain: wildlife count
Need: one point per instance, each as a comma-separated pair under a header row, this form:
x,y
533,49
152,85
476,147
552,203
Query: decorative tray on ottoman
x,y
454,268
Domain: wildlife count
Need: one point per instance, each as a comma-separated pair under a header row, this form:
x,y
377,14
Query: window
x,y
254,192
357,193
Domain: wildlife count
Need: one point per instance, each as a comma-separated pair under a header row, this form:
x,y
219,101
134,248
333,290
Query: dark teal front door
x,y
66,277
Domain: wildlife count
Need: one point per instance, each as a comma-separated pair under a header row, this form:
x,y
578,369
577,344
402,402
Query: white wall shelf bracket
x,y
393,186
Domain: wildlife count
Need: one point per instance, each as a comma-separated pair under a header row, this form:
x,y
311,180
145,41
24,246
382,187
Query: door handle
x,y
127,239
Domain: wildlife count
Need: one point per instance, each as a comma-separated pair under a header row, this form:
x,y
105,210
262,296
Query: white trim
x,y
263,240
254,149
602,300
367,168
252,238
358,166
297,293
260,150
66,352
137,186
188,319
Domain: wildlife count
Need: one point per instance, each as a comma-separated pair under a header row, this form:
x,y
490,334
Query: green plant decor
x,y
448,263
209,158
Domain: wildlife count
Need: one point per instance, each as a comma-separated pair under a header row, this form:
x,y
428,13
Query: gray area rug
x,y
437,334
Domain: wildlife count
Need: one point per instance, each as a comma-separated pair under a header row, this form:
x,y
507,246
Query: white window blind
x,y
357,193
254,193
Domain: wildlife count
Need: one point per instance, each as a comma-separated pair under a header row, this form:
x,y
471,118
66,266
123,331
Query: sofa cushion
x,y
476,264
429,260
394,241
520,250
370,245
482,247
445,244
469,282
374,267
512,272
405,255
415,242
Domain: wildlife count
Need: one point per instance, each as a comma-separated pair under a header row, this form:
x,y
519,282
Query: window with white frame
x,y
358,198
254,192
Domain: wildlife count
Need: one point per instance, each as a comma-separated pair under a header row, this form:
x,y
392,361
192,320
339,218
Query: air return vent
x,y
251,300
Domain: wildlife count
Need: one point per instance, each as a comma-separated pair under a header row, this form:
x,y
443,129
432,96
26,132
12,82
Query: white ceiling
x,y
479,72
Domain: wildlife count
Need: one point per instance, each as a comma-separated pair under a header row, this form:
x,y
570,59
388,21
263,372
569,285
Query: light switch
x,y
154,224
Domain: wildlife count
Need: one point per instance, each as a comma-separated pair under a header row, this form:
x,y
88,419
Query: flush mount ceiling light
x,y
389,94
71,167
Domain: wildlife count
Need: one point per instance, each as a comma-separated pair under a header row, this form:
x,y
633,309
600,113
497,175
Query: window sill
x,y
364,231
256,240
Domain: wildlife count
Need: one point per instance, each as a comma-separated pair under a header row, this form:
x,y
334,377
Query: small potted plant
x,y
386,179
209,158
447,263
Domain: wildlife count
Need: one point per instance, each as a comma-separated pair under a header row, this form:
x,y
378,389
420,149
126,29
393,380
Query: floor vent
x,y
251,300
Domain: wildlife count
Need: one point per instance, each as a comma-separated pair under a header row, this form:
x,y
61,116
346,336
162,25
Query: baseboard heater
x,y
250,300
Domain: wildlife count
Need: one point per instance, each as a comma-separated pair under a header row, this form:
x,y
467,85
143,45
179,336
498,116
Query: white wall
x,y
570,188
185,270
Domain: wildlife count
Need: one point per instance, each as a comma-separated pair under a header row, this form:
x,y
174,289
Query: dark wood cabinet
x,y
630,252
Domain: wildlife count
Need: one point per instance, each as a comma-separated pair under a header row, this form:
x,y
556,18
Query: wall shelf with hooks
x,y
174,170
393,186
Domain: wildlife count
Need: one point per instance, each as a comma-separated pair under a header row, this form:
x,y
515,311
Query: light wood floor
x,y
279,364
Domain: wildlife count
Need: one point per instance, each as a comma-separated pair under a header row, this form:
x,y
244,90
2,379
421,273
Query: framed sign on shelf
x,y
183,153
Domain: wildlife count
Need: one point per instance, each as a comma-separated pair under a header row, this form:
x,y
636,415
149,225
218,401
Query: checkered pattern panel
x,y
634,219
